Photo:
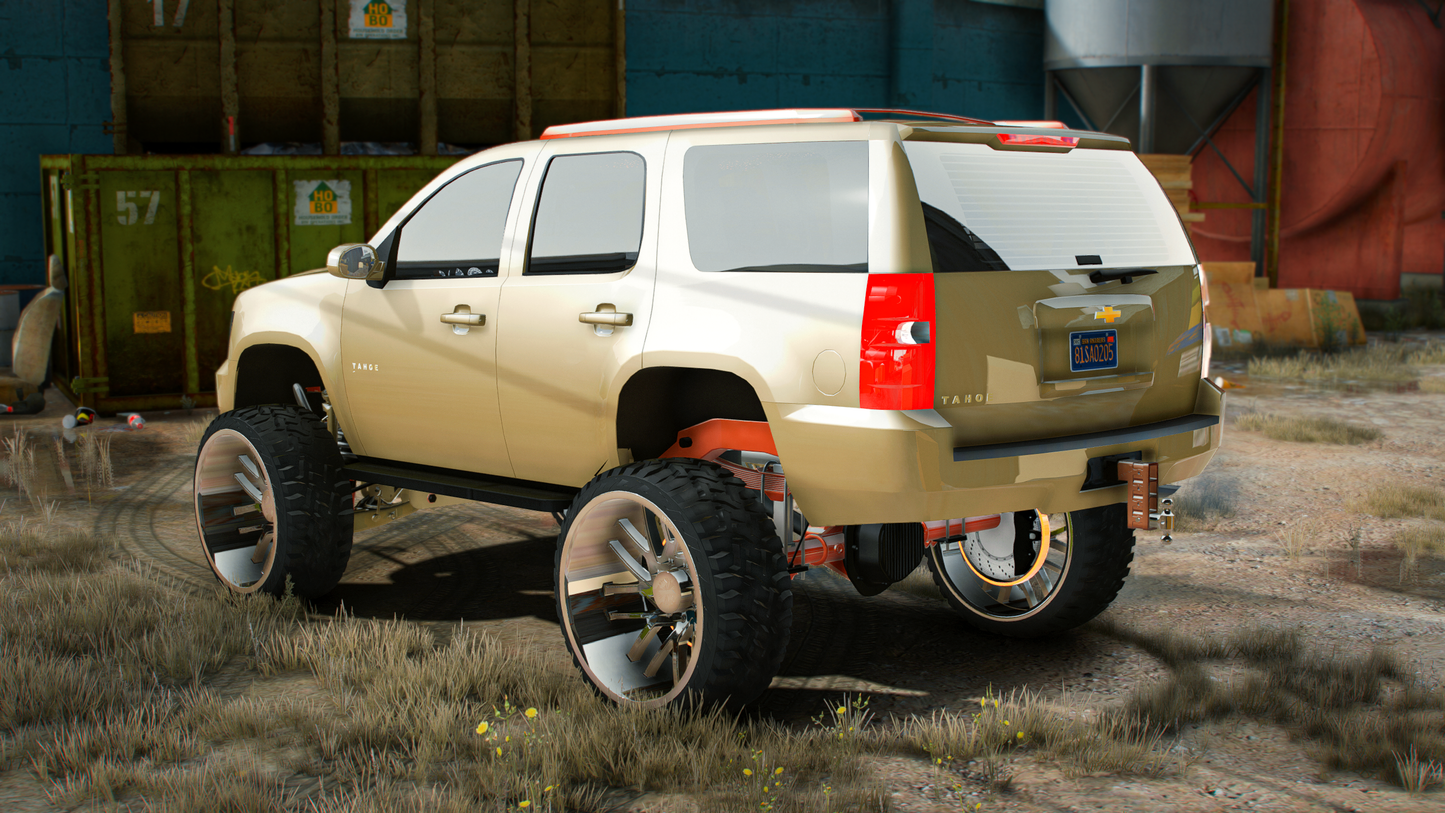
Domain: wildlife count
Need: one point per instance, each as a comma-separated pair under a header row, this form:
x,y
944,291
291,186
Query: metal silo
x,y
1163,73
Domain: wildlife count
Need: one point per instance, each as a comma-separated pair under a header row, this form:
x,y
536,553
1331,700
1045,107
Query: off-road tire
x,y
742,581
303,465
1101,548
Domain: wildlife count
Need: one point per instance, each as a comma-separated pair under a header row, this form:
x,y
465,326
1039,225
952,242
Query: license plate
x,y
1093,350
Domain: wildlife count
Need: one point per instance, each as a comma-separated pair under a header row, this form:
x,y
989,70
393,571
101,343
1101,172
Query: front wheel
x,y
671,585
1035,574
270,502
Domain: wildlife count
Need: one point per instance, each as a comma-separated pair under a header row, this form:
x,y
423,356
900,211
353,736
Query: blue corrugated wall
x,y
54,98
949,56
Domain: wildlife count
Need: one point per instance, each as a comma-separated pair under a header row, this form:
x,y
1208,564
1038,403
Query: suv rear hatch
x,y
1067,297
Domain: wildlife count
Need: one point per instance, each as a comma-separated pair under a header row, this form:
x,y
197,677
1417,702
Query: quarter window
x,y
777,207
589,217
458,231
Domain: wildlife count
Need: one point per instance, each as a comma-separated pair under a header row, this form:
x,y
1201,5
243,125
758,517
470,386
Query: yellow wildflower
x,y
747,771
499,750
778,771
530,713
524,803
482,727
1005,722
549,787
842,709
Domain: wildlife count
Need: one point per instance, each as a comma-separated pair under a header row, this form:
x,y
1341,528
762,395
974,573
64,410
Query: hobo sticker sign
x,y
323,203
378,19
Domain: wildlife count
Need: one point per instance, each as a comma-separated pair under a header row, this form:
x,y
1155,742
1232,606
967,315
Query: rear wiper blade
x,y
1126,275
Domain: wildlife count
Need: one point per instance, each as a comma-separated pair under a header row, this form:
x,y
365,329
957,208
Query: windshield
x,y
996,210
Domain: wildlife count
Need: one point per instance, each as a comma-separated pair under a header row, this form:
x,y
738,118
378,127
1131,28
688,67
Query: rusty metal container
x,y
158,247
217,75
1362,173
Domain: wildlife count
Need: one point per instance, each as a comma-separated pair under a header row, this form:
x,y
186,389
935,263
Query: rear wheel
x,y
1034,574
672,586
269,502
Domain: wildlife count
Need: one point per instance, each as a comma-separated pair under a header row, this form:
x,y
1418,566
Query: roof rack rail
x,y
688,121
921,114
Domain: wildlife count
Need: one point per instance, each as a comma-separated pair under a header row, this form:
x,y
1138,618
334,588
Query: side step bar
x,y
462,484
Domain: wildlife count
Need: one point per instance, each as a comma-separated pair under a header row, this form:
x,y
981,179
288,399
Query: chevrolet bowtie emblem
x,y
1108,314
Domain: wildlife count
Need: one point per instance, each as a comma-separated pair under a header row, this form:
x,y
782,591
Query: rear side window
x,y
995,210
458,231
589,217
777,207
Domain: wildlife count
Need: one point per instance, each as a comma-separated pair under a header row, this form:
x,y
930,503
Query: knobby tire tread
x,y
752,614
310,492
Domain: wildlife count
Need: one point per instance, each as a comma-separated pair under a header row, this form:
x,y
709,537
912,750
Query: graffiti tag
x,y
237,281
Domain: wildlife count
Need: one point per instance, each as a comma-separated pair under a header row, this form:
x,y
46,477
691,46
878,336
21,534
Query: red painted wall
x,y
1364,152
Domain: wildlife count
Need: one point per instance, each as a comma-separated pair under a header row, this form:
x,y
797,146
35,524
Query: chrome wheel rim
x,y
982,573
628,594
235,510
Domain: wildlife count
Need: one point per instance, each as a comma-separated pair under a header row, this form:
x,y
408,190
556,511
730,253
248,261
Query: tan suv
x,y
726,348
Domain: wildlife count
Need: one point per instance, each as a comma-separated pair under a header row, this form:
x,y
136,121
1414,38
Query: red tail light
x,y
1023,140
896,358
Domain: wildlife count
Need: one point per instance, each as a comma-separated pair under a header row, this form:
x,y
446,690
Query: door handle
x,y
610,318
463,318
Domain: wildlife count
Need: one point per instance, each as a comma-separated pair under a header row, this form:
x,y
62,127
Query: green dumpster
x,y
158,247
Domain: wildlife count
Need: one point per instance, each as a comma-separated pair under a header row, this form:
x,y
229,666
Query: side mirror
x,y
354,261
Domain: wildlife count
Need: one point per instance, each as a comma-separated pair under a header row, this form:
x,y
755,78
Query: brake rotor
x,y
990,554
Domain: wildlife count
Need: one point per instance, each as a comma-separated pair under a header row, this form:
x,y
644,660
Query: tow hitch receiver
x,y
1143,481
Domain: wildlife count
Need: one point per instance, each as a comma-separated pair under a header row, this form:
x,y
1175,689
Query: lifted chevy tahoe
x,y
726,348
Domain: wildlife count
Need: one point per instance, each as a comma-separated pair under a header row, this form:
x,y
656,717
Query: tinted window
x,y
995,210
458,231
778,207
589,217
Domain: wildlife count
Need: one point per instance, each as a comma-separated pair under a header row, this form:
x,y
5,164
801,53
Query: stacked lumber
x,y
1172,172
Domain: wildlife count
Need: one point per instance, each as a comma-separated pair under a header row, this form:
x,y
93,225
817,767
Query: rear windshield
x,y
777,207
997,210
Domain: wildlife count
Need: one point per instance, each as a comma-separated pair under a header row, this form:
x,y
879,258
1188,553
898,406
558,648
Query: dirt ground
x,y
490,567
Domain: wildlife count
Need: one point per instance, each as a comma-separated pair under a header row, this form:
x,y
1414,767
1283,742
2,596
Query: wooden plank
x,y
1228,273
117,78
522,69
230,100
427,77
330,81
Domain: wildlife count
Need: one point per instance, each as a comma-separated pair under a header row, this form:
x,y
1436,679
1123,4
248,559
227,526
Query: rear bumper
x,y
850,466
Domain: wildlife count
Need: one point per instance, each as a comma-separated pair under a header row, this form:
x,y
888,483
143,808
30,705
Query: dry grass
x,y
1296,540
1402,500
1414,542
1023,721
1375,364
104,693
1359,711
195,430
1307,428
30,547
1436,385
1201,502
